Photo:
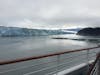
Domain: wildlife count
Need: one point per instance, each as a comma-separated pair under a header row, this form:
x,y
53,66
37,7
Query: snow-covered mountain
x,y
15,31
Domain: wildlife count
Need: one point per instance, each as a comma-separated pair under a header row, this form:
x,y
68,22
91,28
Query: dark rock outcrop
x,y
89,32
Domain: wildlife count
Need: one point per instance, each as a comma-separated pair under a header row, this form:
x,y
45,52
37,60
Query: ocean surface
x,y
19,47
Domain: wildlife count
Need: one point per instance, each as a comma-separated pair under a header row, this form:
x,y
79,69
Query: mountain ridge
x,y
89,31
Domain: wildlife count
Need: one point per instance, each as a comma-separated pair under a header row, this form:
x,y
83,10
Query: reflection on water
x,y
91,39
16,47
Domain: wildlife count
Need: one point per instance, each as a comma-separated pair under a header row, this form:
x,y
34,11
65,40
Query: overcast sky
x,y
49,13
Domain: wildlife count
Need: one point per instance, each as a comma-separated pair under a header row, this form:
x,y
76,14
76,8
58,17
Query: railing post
x,y
58,62
88,60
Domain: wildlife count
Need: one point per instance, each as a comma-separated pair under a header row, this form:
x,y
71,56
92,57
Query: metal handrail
x,y
71,57
51,67
94,64
44,56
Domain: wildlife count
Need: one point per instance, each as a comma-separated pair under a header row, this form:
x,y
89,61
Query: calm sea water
x,y
18,47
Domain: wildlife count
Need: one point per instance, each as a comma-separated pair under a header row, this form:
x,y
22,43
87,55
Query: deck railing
x,y
49,64
95,66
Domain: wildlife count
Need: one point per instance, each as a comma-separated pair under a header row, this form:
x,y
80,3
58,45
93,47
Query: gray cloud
x,y
49,12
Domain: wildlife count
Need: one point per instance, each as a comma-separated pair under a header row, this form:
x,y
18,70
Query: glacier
x,y
16,31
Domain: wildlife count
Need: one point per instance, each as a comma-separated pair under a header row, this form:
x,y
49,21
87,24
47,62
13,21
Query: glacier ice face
x,y
15,31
